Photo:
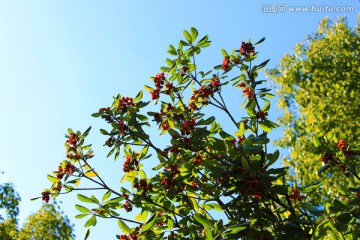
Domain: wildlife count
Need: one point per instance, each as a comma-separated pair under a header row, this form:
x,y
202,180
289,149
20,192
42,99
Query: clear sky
x,y
60,61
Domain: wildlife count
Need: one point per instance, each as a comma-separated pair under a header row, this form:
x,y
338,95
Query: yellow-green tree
x,y
46,224
318,89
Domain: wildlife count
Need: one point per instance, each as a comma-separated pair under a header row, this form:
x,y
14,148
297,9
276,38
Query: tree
x,y
47,223
318,89
209,183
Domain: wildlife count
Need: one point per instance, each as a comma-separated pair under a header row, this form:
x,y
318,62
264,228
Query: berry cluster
x,y
169,181
247,49
132,236
122,127
225,63
124,103
143,185
295,194
202,96
159,82
342,145
69,169
187,127
249,92
329,158
45,196
72,141
128,206
262,115
131,163
198,159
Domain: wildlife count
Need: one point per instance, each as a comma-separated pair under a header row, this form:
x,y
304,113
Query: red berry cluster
x,y
132,236
198,159
295,194
247,49
123,128
249,92
253,188
45,196
225,63
342,145
262,115
124,103
204,93
159,82
170,181
143,185
187,127
72,141
127,206
169,88
131,163
69,169
329,158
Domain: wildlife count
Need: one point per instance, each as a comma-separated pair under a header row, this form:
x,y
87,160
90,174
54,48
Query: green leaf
x,y
96,114
260,41
323,169
235,229
194,33
85,199
203,220
82,209
149,89
149,223
91,222
87,234
86,132
316,142
267,126
172,50
142,174
242,129
106,196
79,216
52,178
187,36
280,189
266,106
310,187
259,140
104,132
124,228
206,122
224,53
344,218
273,157
138,96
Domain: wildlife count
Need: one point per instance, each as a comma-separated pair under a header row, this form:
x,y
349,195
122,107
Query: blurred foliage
x,y
46,224
318,89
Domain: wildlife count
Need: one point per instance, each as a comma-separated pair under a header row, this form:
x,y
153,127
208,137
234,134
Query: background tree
x,y
318,89
48,223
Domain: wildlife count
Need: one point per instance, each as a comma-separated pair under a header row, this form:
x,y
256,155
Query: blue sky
x,y
60,61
